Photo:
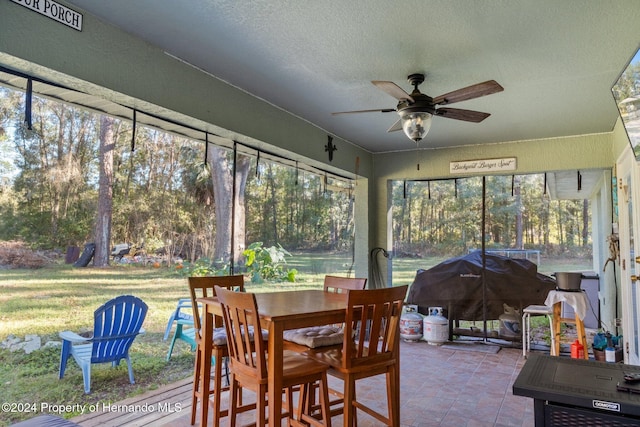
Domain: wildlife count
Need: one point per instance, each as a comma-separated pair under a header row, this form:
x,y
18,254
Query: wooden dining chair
x,y
370,347
203,287
339,284
248,365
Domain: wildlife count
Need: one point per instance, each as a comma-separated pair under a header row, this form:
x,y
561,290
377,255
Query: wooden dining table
x,y
280,311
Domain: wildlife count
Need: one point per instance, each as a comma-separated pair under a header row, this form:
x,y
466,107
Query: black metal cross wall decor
x,y
330,147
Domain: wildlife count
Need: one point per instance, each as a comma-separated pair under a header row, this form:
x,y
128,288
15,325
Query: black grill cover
x,y
456,285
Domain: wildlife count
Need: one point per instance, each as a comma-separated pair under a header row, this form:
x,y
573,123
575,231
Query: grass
x,y
57,298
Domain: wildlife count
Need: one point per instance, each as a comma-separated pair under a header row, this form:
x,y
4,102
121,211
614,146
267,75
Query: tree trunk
x,y
222,178
561,227
105,192
519,208
585,222
242,172
273,205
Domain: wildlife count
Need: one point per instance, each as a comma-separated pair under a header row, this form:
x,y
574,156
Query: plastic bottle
x,y
610,351
577,350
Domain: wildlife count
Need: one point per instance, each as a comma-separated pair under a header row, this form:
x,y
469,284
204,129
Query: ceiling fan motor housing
x,y
417,109
423,103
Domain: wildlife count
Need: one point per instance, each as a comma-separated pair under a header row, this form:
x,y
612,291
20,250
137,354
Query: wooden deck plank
x,y
142,418
163,404
132,416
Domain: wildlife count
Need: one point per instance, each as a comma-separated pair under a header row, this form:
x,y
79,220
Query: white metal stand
x,y
536,310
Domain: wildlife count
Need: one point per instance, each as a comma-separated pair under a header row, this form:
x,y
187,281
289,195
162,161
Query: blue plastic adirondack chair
x,y
181,319
116,324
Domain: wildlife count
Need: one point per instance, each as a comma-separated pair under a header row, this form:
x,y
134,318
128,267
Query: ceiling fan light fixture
x,y
416,124
417,109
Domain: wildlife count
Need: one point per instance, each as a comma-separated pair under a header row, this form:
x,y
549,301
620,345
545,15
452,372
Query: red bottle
x,y
577,350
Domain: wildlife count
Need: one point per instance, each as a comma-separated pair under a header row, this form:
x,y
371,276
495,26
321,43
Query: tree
x,y
9,105
105,192
161,193
518,215
518,207
222,178
54,179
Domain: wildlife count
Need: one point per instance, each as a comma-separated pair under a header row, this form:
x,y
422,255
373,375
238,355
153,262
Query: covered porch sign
x,y
55,11
483,166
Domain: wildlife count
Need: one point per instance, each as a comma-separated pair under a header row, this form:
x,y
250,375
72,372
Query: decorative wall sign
x,y
483,166
55,11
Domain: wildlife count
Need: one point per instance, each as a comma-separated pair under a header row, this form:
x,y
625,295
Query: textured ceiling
x,y
556,60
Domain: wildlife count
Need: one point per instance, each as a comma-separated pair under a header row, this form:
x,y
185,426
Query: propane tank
x,y
436,327
577,350
411,324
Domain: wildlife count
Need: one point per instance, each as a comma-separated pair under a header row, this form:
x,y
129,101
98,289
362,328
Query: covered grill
x,y
457,285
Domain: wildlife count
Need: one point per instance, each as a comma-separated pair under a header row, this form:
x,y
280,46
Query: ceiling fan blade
x,y
458,114
469,92
392,89
396,126
379,110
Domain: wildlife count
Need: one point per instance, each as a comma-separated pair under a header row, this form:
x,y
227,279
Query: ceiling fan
x,y
417,109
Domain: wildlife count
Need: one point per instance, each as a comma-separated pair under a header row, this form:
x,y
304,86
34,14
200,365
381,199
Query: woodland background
x,y
164,197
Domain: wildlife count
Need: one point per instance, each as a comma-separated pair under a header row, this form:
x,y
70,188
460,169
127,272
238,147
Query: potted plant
x,y
603,341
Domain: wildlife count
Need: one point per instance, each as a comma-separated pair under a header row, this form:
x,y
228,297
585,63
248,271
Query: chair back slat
x,y
116,324
247,349
203,287
338,284
373,319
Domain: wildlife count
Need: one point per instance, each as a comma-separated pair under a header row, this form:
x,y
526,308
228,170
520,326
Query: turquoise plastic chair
x,y
116,324
181,320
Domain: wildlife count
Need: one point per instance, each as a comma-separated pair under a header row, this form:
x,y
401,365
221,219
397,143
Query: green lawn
x,y
57,298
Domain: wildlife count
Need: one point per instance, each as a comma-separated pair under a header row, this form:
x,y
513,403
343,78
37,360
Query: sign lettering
x,y
55,11
479,166
609,406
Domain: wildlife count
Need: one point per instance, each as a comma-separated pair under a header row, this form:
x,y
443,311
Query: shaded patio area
x,y
451,385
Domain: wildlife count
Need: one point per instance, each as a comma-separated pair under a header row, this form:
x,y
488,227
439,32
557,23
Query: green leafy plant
x,y
203,267
268,263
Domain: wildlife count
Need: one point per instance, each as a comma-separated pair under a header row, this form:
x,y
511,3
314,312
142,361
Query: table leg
x,y
275,367
396,395
205,368
553,336
557,309
525,335
538,412
582,339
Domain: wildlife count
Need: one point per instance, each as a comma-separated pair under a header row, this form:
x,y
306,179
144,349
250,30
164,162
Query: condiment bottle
x,y
610,351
